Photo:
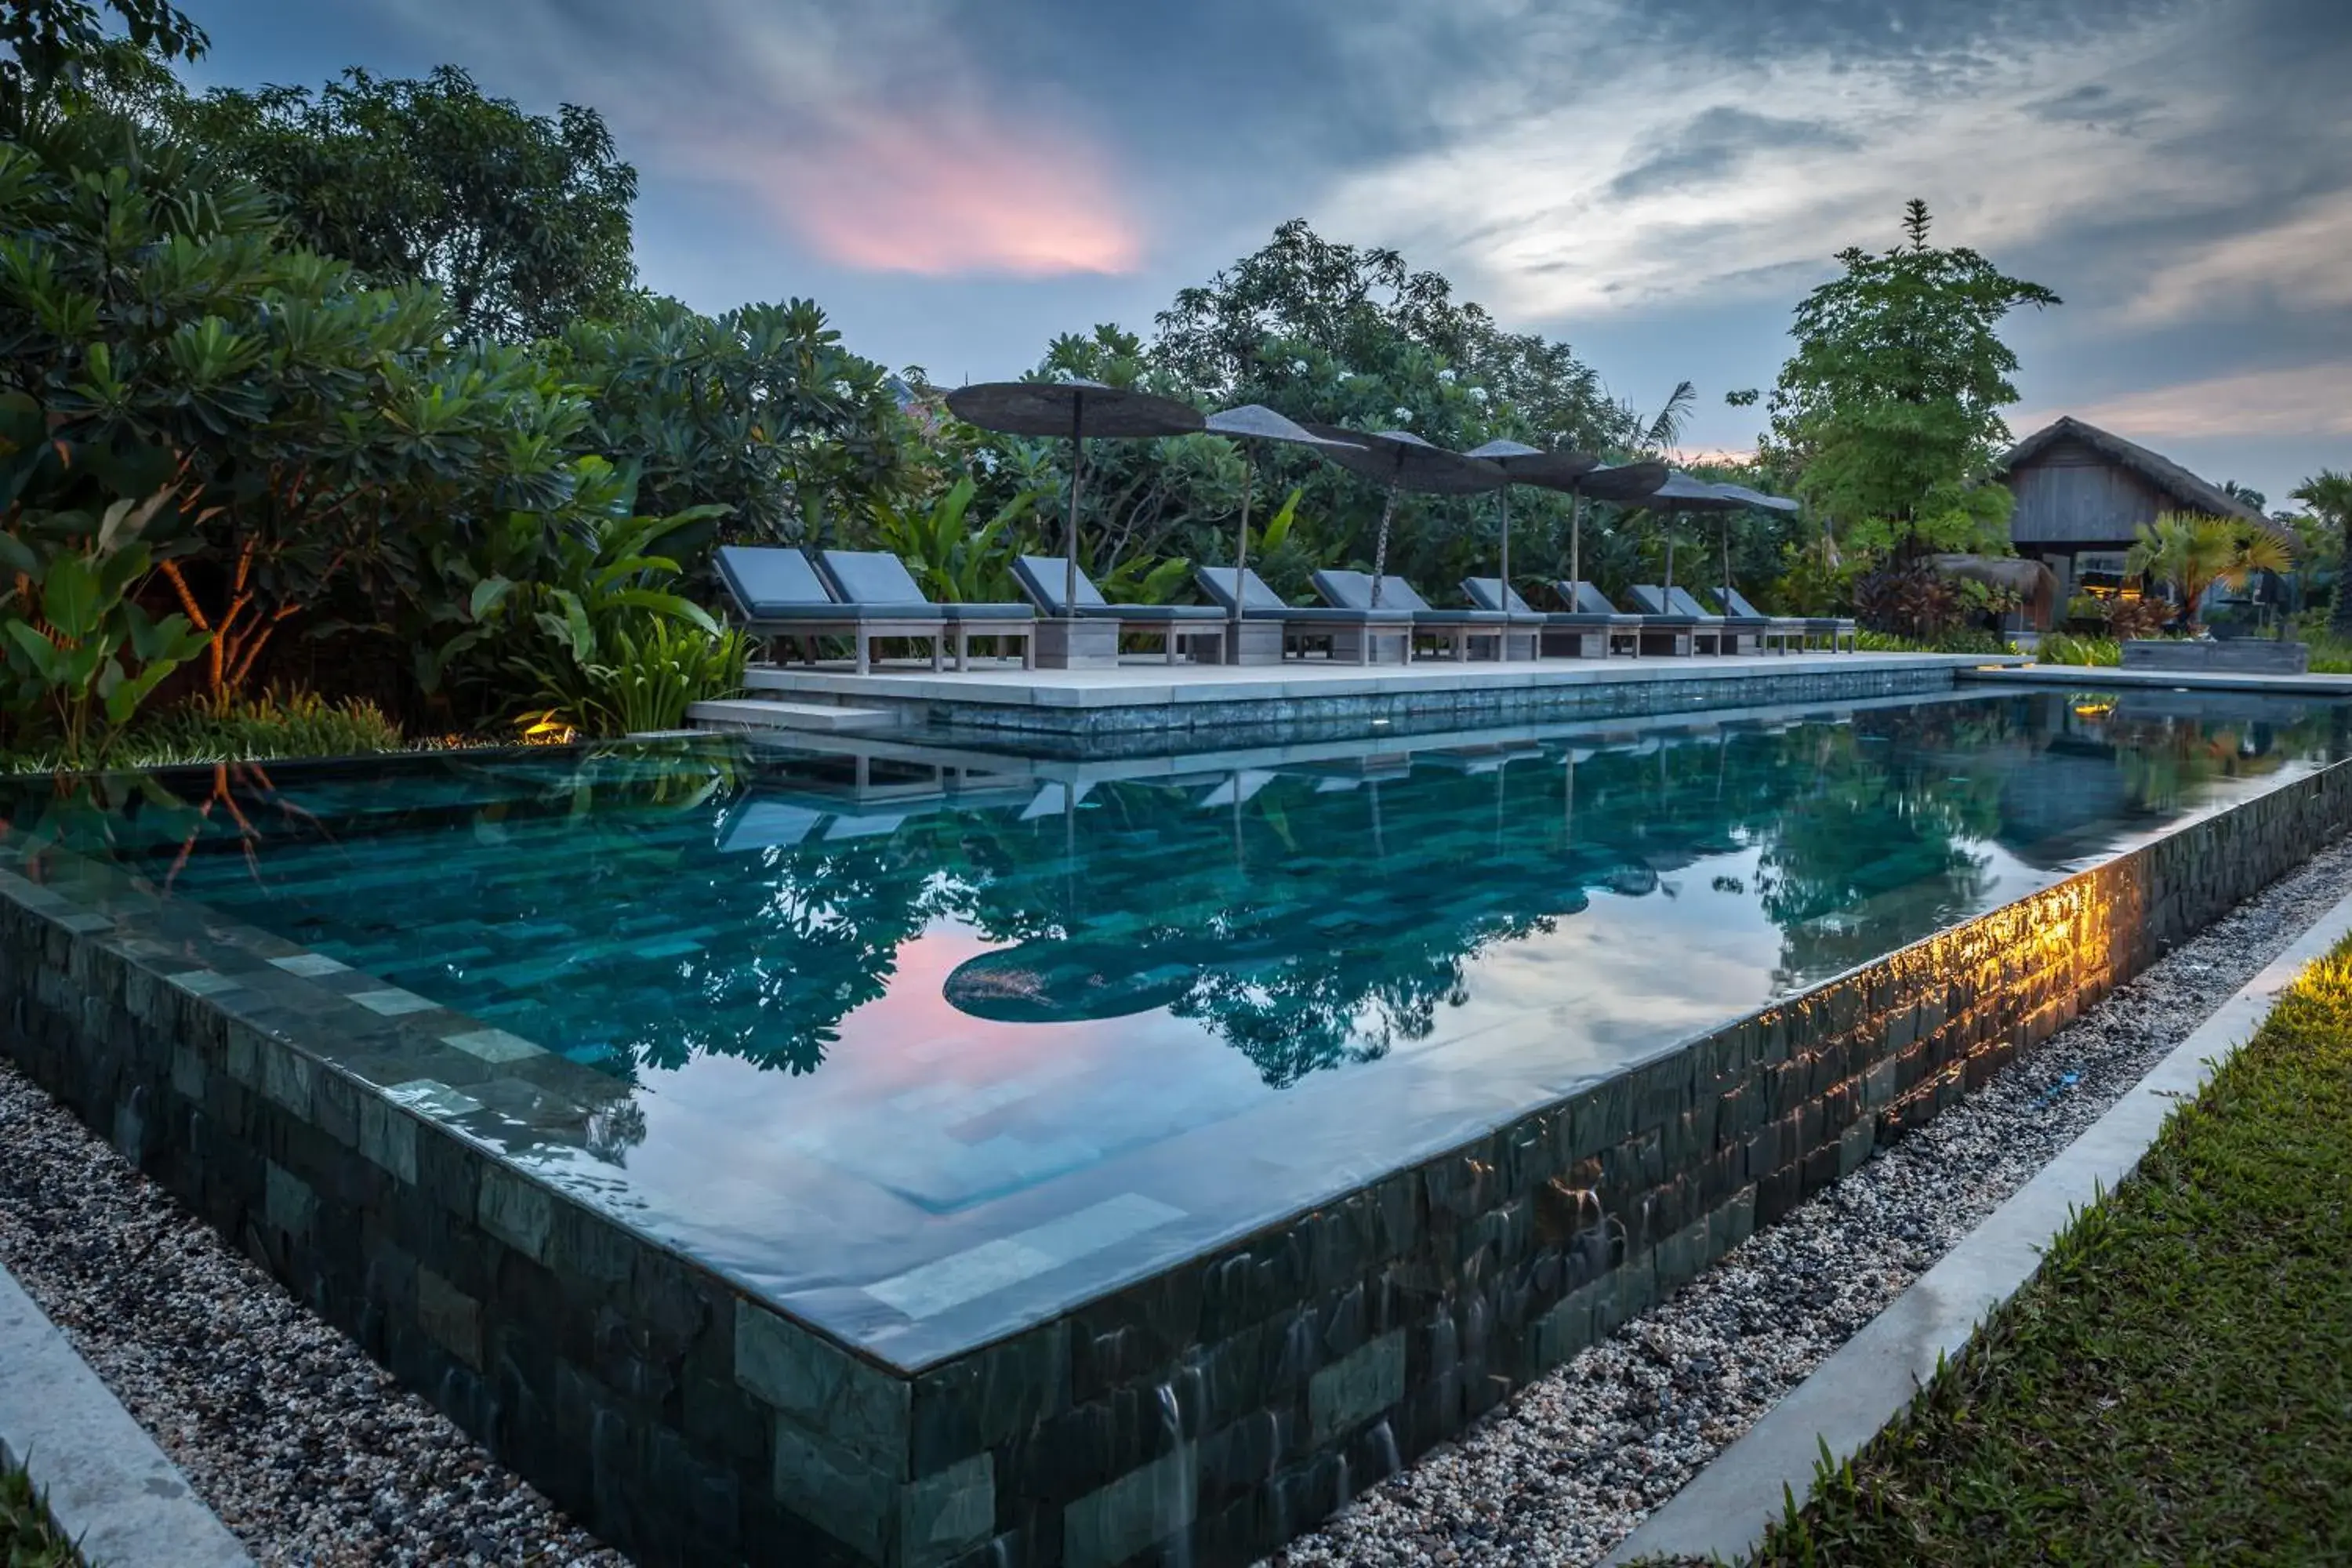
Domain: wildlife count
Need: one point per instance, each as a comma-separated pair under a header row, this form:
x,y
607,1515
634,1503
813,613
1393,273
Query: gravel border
x,y
1577,1460
314,1458
304,1447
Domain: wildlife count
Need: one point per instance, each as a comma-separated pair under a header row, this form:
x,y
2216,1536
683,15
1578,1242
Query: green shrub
x,y
274,725
2059,647
650,674
1949,642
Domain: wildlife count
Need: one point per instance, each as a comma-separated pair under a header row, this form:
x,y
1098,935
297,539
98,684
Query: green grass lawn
x,y
28,1539
2175,1386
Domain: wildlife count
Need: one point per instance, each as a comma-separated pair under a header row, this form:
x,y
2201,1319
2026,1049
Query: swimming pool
x,y
924,1045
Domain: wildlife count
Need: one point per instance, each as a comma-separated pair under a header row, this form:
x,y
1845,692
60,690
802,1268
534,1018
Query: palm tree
x,y
2328,494
1652,441
2193,553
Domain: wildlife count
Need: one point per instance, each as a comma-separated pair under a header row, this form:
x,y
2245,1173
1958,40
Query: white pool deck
x,y
1150,683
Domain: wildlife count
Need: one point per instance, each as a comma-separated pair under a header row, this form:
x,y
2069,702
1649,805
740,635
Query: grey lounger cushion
x,y
1587,597
867,578
1488,593
1353,591
769,583
773,585
1683,600
1262,603
1738,605
1041,578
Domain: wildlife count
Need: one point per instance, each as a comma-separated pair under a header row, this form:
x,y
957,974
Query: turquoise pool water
x,y
924,1039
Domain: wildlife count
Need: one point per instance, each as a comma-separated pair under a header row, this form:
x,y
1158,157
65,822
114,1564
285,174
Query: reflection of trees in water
x,y
1306,940
1876,849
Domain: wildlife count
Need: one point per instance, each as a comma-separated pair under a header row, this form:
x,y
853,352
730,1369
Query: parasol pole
x,y
1070,532
1503,596
1575,537
1381,546
1669,588
1241,556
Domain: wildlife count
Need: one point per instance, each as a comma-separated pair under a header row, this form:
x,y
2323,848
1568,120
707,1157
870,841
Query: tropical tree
x,y
2192,553
1889,411
520,220
160,335
52,45
761,411
2329,496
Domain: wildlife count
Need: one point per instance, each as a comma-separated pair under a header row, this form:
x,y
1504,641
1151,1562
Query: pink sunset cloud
x,y
955,197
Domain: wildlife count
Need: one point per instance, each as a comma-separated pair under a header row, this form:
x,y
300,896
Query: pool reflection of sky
x,y
1257,1001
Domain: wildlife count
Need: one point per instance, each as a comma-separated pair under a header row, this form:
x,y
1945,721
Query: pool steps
x,y
763,713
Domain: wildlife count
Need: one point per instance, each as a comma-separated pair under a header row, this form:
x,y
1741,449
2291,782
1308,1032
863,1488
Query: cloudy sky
x,y
1656,181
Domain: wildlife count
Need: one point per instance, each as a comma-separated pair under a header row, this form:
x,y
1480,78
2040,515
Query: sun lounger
x,y
778,593
1355,635
1728,638
1571,634
1456,628
877,578
1042,579
1806,627
1677,634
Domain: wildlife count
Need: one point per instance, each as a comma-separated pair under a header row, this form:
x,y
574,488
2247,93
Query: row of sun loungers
x,y
869,595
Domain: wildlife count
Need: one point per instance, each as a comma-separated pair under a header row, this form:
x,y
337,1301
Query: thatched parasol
x,y
1251,422
1403,461
1525,465
1075,409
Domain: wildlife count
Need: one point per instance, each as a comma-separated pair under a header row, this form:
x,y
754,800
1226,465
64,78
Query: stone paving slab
x,y
1725,1510
110,1487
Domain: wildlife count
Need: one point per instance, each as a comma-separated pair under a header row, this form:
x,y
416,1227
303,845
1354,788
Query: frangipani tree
x,y
2193,553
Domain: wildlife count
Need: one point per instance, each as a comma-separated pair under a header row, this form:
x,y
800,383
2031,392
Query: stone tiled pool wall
x,y
1300,713
367,1148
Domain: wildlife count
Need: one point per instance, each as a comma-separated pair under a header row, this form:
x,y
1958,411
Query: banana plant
x,y
91,655
1139,582
951,560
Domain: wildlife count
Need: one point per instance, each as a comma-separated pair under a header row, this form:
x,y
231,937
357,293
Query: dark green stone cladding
x,y
1206,1413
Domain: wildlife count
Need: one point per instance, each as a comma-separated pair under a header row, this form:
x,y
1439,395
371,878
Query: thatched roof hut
x,y
2082,494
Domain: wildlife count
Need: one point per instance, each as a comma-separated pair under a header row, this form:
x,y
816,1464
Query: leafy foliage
x,y
761,411
2192,553
1889,411
2062,647
30,1538
2328,494
53,44
84,648
521,222
950,559
278,723
594,633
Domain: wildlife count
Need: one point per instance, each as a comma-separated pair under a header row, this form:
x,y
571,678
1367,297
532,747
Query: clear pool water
x,y
925,1042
